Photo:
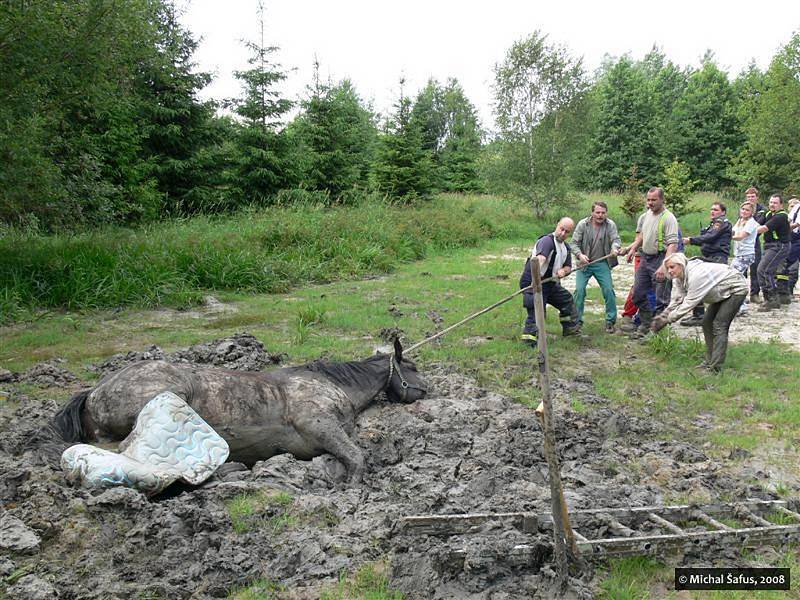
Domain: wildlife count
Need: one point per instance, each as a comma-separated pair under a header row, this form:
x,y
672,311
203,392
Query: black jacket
x,y
715,240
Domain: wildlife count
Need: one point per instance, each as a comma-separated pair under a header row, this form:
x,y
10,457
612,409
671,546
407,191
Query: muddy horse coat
x,y
306,410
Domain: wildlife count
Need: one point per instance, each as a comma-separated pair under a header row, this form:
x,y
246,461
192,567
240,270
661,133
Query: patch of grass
x,y
261,589
369,582
307,318
258,510
632,578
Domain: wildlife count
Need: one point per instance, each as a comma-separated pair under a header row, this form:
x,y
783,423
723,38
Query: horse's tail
x,y
68,422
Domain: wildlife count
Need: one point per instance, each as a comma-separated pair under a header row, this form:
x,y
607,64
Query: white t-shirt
x,y
747,245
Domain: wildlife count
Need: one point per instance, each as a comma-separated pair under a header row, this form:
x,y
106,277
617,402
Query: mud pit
x,y
462,449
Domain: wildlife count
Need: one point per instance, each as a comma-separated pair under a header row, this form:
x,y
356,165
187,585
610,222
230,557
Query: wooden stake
x,y
566,550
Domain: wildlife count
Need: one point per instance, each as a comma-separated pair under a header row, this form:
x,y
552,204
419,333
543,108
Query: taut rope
x,y
492,307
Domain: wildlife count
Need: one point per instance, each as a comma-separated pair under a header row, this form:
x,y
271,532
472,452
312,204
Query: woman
x,y
721,288
744,243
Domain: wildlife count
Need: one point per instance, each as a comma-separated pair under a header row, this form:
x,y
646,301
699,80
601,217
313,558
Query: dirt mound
x,y
43,374
462,449
242,352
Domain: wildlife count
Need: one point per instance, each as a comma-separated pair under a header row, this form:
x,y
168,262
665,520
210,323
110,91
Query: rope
x,y
492,307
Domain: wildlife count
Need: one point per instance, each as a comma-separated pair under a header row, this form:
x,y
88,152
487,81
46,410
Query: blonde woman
x,y
744,243
720,287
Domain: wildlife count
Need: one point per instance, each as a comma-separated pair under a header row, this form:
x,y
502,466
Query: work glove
x,y
659,322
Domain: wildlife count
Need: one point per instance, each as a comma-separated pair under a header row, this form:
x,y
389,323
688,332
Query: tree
x,y
262,164
706,132
624,136
403,168
771,155
632,202
678,187
537,89
451,133
337,135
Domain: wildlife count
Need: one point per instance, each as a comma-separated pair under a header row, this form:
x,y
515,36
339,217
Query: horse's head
x,y
405,384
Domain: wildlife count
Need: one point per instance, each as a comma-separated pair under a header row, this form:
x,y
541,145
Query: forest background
x,y
102,128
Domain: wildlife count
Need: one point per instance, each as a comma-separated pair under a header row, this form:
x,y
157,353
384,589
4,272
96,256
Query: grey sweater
x,y
584,232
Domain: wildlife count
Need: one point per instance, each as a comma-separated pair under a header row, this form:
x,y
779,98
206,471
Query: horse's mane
x,y
351,373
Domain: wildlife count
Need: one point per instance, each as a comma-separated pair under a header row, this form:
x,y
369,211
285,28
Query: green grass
x,y
270,250
265,509
632,578
369,582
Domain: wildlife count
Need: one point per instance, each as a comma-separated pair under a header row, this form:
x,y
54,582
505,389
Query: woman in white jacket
x,y
718,286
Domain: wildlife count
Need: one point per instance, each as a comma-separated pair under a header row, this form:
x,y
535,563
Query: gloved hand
x,y
659,322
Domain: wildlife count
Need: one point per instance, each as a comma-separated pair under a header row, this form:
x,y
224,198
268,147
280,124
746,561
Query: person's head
x,y
751,195
775,202
564,228
793,201
599,212
718,209
655,199
746,210
675,264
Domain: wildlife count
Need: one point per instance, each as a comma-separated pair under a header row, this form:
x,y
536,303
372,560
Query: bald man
x,y
552,255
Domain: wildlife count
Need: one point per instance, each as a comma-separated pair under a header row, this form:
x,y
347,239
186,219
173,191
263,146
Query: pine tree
x,y
403,168
262,165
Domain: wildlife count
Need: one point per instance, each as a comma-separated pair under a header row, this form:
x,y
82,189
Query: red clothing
x,y
630,308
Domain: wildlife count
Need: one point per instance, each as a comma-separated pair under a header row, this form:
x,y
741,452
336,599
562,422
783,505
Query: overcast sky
x,y
374,43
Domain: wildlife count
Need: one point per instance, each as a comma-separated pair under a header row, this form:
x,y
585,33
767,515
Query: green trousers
x,y
602,273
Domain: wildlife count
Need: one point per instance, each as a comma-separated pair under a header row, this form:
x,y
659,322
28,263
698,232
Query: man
x,y
759,212
696,281
715,246
596,237
657,236
551,256
787,274
777,243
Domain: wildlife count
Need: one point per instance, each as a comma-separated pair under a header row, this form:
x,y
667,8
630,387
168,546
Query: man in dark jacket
x,y
715,246
787,274
551,255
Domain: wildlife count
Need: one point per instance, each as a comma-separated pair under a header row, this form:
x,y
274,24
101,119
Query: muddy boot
x,y
529,339
770,302
646,318
784,298
627,325
755,298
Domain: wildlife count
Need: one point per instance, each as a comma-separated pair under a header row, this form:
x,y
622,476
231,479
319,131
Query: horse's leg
x,y
328,434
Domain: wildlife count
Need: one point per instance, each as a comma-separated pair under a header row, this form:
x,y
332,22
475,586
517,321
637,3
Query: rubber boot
x,y
771,301
784,298
627,325
646,318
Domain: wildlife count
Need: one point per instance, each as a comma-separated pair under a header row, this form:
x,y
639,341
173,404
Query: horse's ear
x,y
398,349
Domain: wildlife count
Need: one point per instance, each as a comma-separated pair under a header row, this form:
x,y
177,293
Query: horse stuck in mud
x,y
306,410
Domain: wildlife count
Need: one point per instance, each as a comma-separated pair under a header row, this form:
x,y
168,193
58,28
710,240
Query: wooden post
x,y
566,550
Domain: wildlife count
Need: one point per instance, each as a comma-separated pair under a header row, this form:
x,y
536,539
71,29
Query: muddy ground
x,y
462,449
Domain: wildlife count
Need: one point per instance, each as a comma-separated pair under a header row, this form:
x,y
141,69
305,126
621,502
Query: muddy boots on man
x,y
627,325
771,301
646,319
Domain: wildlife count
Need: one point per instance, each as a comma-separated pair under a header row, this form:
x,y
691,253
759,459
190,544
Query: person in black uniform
x,y
777,243
759,215
552,255
715,246
788,273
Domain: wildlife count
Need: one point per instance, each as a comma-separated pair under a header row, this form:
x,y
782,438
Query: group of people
x,y
668,286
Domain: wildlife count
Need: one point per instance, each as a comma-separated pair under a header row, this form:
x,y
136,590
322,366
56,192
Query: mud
x,y
462,449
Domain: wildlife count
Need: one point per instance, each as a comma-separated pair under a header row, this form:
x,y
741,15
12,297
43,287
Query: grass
x,y
369,582
265,251
261,589
265,509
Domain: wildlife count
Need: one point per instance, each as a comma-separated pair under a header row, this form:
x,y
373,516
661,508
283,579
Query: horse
x,y
306,410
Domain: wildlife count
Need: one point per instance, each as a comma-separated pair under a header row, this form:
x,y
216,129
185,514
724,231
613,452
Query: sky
x,y
376,43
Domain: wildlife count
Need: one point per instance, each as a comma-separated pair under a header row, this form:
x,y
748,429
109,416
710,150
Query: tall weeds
x,y
256,251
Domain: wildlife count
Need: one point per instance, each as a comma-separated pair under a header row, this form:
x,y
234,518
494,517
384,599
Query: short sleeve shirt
x,y
648,226
747,245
